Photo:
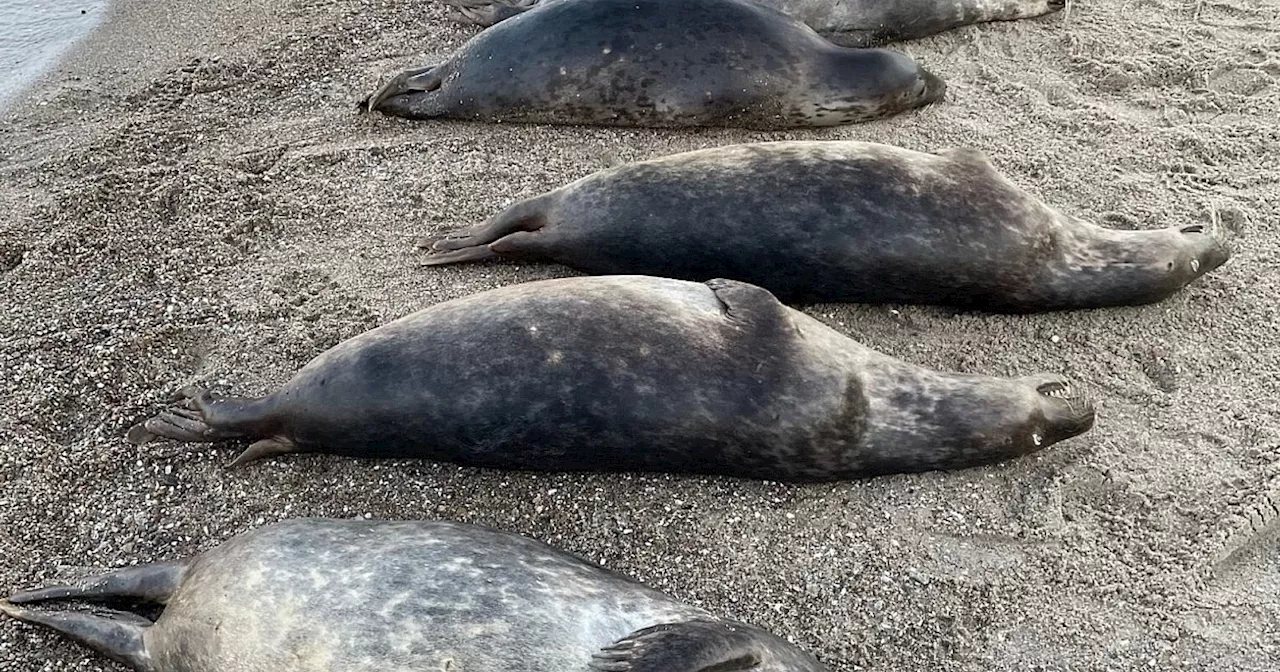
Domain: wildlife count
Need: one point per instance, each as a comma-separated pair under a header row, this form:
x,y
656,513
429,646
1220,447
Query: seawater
x,y
34,34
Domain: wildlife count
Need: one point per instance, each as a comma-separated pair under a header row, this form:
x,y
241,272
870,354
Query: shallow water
x,y
35,33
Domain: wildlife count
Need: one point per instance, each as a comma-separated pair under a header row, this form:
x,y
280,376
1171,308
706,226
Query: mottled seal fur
x,y
641,374
365,596
659,63
851,23
844,221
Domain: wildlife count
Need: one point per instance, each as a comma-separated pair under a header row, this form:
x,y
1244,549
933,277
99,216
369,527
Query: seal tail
x,y
117,636
526,216
154,582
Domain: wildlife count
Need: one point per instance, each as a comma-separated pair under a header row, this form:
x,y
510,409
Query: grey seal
x,y
638,374
360,596
843,221
850,23
659,63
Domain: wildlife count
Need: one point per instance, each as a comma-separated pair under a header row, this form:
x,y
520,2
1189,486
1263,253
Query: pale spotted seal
x,y
659,63
844,221
851,23
356,595
633,373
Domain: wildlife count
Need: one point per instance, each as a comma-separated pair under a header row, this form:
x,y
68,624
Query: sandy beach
x,y
191,197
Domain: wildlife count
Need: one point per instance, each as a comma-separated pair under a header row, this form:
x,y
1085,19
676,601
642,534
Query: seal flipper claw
x,y
692,646
119,636
417,79
264,448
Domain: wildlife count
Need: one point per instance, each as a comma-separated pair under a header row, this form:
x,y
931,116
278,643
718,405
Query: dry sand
x,y
191,198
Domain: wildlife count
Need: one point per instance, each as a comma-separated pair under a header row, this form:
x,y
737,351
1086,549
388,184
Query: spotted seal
x,y
659,63
843,221
318,594
634,373
850,23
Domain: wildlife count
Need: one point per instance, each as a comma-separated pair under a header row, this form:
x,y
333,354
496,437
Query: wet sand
x,y
191,198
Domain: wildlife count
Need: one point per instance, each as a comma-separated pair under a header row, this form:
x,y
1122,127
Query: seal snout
x,y
1209,247
1067,408
934,88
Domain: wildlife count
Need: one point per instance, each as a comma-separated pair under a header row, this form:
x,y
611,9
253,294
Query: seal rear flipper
x,y
409,81
200,417
692,646
117,636
524,217
154,582
480,253
487,13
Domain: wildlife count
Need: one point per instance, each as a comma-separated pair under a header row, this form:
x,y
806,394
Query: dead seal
x,y
843,221
850,23
659,63
638,374
317,594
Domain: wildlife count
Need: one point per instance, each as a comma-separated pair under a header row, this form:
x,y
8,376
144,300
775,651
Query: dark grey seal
x,y
659,63
630,373
364,596
850,23
843,221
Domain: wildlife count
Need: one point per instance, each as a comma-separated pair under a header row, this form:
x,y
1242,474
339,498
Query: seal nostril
x,y
1194,228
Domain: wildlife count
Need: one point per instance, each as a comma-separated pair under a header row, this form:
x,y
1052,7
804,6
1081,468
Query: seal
x,y
637,374
843,221
318,594
662,64
850,23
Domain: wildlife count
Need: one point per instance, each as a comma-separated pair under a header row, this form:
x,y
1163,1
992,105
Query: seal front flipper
x,y
409,81
746,303
117,636
693,646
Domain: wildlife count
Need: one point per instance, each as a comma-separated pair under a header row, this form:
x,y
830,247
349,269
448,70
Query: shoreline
x,y
136,40
53,46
